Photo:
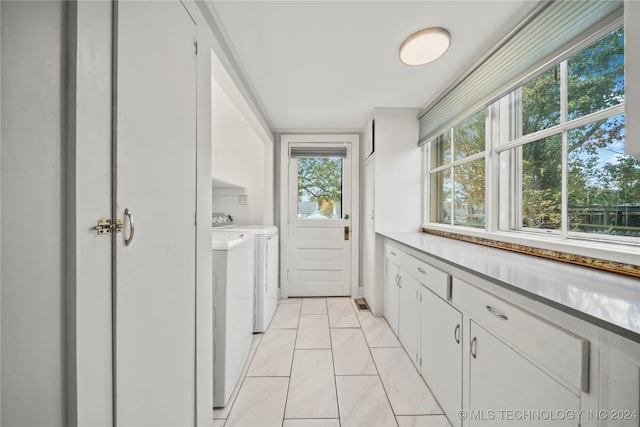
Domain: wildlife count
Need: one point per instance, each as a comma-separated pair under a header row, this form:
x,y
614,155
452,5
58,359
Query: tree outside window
x,y
320,187
602,184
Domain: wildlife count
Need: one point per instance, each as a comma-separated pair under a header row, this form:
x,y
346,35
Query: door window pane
x,y
469,191
604,184
542,184
320,188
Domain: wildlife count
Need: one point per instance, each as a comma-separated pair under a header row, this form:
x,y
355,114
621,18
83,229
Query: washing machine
x,y
233,256
266,290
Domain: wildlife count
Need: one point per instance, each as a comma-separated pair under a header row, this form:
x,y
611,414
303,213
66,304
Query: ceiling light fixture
x,y
424,46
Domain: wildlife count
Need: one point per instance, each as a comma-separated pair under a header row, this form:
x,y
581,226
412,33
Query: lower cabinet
x,y
507,389
441,351
490,362
409,316
391,292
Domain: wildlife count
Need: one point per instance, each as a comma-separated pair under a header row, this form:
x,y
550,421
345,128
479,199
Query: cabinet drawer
x,y
435,280
393,253
560,352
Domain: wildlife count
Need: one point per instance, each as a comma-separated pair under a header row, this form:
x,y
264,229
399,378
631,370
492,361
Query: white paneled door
x,y
155,180
319,220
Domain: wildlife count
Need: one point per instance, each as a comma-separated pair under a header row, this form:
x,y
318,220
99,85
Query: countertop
x,y
608,300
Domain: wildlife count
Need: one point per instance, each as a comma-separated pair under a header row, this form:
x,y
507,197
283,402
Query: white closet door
x,y
155,277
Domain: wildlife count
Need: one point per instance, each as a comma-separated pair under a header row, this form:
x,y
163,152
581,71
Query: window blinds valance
x,y
538,40
318,152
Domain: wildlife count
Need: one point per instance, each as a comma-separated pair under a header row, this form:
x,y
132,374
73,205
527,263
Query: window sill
x,y
619,258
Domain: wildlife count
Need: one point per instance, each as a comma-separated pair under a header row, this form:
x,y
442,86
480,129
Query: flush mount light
x,y
425,46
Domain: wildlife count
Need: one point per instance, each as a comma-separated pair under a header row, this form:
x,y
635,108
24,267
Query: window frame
x,y
500,217
429,170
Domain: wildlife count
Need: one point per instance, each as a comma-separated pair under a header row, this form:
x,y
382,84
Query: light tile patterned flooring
x,y
323,363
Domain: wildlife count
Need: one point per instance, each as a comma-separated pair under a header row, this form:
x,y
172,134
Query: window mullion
x,y
426,183
566,126
453,184
492,168
564,96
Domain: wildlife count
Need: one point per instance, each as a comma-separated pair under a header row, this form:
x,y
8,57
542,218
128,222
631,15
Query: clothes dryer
x,y
233,257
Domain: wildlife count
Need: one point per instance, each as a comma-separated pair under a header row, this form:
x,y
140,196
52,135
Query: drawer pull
x,y
393,253
422,270
474,347
456,334
495,313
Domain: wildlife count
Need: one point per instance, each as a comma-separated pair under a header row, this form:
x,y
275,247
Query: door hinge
x,y
106,225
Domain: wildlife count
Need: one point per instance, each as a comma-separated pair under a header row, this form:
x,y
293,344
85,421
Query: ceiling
x,y
325,65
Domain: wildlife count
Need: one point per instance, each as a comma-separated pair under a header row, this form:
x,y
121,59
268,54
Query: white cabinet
x,y
506,389
409,316
619,383
441,351
391,188
481,354
368,243
562,354
391,293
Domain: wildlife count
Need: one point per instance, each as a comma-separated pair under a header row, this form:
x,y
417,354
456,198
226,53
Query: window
x,y
319,187
457,175
568,155
554,162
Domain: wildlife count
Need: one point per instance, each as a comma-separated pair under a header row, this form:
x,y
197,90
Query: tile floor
x,y
323,363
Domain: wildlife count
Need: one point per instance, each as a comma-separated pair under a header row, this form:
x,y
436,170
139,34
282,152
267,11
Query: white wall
x,y
238,157
33,230
241,157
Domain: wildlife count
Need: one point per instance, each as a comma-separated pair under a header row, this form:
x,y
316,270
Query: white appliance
x,y
266,265
233,258
266,290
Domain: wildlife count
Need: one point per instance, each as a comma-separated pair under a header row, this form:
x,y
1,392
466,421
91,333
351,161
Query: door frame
x,y
316,139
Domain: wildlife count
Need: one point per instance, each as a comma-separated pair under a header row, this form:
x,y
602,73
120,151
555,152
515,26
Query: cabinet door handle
x,y
496,313
422,270
456,334
129,215
396,279
474,347
400,281
393,253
